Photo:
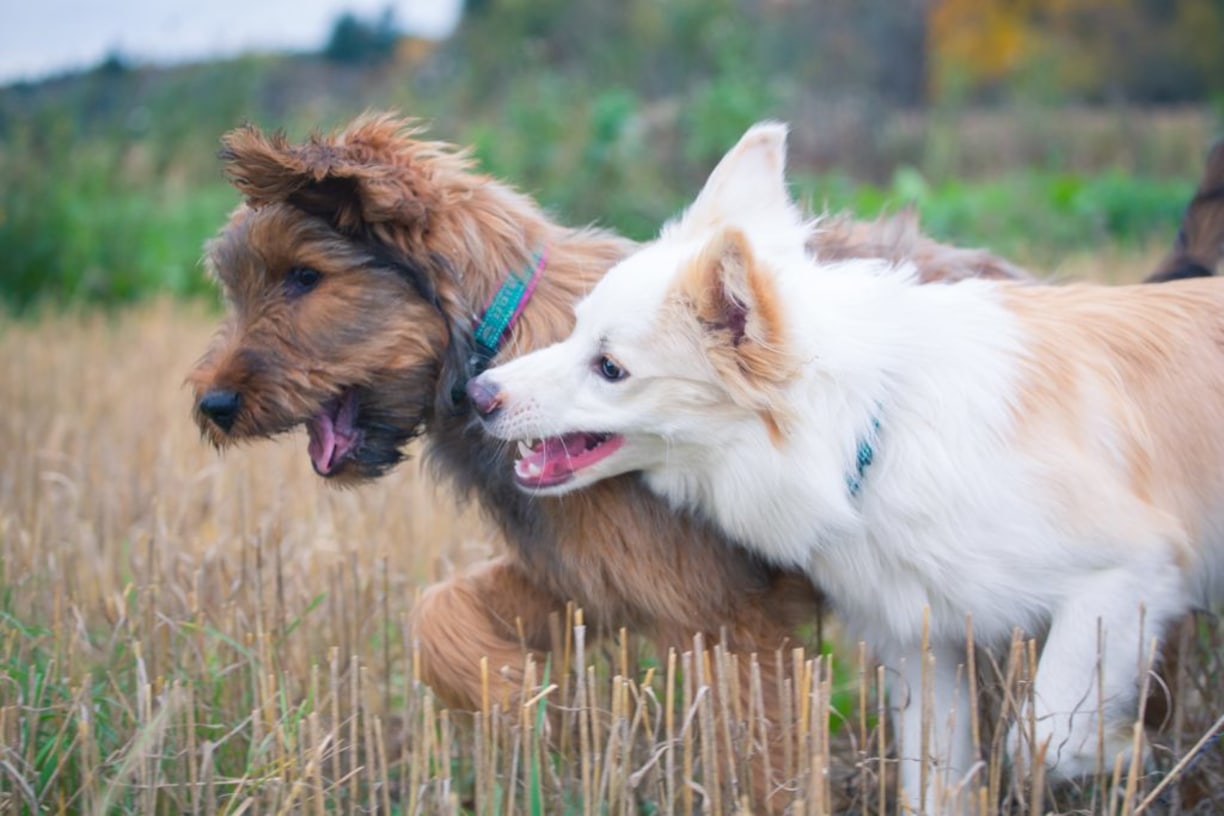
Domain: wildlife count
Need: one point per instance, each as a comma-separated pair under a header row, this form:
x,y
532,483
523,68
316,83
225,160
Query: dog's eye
x,y
301,279
609,369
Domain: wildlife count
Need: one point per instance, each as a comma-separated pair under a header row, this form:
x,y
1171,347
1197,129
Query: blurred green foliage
x,y
1032,215
87,234
110,185
608,113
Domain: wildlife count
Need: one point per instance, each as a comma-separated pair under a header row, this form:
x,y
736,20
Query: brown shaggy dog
x,y
1200,241
354,274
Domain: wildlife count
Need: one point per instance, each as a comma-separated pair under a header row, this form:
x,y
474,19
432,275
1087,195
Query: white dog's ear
x,y
749,181
735,300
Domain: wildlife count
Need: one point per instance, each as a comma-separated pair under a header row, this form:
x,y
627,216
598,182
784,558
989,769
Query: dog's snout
x,y
485,395
221,405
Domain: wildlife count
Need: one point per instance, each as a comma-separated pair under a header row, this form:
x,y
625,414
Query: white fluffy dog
x,y
1043,457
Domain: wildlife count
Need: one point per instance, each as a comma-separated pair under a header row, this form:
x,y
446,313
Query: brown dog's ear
x,y
1199,246
363,175
1202,234
737,306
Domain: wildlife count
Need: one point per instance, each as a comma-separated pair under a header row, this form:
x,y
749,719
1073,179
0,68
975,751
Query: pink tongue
x,y
559,457
556,453
332,434
322,433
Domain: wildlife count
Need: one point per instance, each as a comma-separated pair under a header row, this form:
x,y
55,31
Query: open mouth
x,y
555,460
333,434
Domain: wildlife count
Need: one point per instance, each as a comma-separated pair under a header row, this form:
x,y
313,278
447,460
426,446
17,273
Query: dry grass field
x,y
182,633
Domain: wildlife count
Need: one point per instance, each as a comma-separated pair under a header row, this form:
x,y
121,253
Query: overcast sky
x,y
50,36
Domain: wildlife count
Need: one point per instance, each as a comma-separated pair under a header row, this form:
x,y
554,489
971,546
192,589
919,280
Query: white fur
x,y
955,516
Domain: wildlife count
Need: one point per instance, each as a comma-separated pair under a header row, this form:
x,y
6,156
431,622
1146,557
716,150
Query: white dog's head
x,y
680,343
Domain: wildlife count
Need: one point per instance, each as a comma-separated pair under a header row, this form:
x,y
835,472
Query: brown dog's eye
x,y
301,279
609,369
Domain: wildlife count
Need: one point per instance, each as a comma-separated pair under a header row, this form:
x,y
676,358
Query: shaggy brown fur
x,y
898,238
1200,241
356,270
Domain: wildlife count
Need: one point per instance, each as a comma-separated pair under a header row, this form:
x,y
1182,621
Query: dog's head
x,y
683,339
342,315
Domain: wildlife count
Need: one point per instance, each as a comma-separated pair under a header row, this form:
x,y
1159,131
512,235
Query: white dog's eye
x,y
609,369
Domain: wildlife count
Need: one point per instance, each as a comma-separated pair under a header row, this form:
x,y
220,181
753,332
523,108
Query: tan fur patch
x,y
771,419
1151,358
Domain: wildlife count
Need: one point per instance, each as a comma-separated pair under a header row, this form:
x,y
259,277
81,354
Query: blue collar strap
x,y
863,458
505,307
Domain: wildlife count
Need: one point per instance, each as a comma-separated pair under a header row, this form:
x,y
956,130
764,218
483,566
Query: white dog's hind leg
x,y
1088,676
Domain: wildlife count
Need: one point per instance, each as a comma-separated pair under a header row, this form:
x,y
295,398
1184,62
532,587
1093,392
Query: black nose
x,y
484,394
221,406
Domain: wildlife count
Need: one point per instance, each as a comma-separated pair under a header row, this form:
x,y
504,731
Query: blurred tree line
x,y
614,111
851,75
355,40
907,52
1146,51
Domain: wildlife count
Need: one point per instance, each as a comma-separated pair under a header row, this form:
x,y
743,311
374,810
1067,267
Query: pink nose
x,y
484,394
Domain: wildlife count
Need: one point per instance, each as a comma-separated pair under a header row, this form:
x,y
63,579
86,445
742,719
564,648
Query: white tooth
x,y
523,448
534,469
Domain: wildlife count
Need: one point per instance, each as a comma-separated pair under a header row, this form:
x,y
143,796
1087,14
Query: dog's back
x,y
1151,359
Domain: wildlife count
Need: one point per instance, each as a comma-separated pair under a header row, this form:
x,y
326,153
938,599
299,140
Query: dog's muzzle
x,y
221,406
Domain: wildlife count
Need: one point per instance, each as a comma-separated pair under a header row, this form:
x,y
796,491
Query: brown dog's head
x,y
339,276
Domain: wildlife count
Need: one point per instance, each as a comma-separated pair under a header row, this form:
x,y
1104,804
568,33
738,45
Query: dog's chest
x,y
762,504
952,550
884,589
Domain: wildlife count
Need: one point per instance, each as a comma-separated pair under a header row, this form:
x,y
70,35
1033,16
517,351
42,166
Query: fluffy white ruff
x,y
1047,458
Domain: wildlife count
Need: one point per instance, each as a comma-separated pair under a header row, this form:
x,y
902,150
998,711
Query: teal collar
x,y
505,307
863,458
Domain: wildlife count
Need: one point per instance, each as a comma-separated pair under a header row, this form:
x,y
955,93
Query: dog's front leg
x,y
1089,674
934,736
493,610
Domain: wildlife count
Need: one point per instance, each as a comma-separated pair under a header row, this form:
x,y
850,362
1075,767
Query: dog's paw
x,y
1070,747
